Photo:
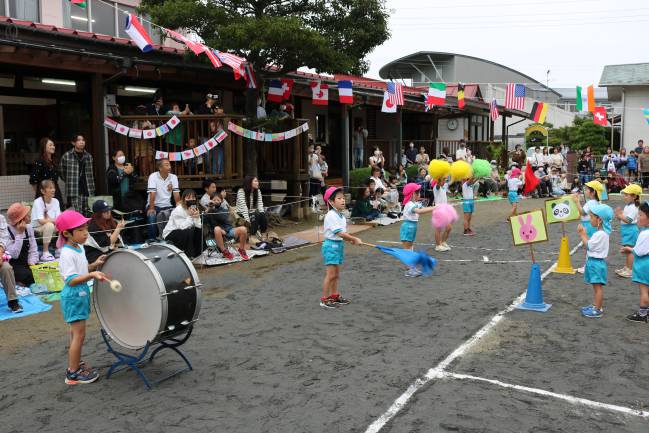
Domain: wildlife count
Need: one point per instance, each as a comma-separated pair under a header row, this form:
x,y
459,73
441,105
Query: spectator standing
x,y
20,243
622,161
360,135
45,167
7,277
120,176
584,169
210,106
46,209
461,152
546,159
261,110
176,136
377,159
161,186
411,154
639,148
632,165
156,108
76,169
556,159
609,161
250,206
643,167
185,228
315,175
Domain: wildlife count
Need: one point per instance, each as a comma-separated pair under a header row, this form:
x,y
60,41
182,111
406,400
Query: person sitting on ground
x,y
121,177
378,202
401,176
103,231
362,207
250,206
545,185
7,277
555,181
219,221
160,187
185,228
20,243
46,209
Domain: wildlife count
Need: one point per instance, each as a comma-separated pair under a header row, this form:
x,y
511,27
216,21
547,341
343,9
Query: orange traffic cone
x,y
563,264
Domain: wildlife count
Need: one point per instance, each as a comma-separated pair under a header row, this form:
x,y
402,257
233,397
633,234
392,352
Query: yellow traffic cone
x,y
563,264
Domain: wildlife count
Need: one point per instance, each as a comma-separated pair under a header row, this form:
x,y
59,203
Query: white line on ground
x,y
565,397
467,248
485,259
438,370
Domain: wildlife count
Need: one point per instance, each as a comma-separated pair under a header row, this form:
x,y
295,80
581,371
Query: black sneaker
x,y
328,303
14,306
636,317
80,377
340,300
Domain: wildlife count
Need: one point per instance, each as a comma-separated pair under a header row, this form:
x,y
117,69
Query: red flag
x,y
531,181
599,116
287,86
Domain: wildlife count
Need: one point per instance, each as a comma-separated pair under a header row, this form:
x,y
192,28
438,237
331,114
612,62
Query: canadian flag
x,y
320,93
122,129
599,116
389,106
149,133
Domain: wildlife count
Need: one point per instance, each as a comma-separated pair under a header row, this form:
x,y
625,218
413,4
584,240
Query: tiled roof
x,y
631,74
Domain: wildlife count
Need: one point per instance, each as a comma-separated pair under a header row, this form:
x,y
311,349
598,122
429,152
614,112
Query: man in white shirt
x,y
460,154
160,187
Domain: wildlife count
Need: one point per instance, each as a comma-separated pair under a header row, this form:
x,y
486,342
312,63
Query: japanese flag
x,y
161,155
188,154
135,133
210,144
149,133
173,122
389,106
122,129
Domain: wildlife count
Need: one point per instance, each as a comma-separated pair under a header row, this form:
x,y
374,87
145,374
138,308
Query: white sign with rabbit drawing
x,y
529,227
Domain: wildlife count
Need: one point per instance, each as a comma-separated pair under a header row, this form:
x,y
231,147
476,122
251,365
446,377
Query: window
x,y
121,20
24,10
75,17
103,18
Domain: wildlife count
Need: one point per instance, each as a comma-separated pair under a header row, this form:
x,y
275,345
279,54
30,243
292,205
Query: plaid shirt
x,y
70,173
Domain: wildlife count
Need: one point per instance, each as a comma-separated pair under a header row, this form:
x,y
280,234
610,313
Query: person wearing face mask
x,y
120,176
185,228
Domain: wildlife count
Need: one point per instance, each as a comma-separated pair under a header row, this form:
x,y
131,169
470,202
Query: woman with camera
x,y
185,228
120,176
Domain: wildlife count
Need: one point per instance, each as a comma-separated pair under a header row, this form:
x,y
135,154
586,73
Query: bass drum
x,y
160,295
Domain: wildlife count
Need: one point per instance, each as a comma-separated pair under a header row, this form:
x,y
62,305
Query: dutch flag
x,y
345,92
137,33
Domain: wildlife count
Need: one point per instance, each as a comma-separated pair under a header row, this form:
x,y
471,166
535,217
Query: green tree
x,y
581,134
280,36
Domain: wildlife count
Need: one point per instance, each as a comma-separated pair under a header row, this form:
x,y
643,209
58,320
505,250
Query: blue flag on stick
x,y
412,258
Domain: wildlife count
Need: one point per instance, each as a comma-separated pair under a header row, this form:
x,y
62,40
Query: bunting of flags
x,y
539,111
139,133
320,93
80,3
262,136
345,92
585,100
196,151
460,96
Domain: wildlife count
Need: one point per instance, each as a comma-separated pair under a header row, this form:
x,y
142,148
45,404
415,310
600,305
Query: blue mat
x,y
31,305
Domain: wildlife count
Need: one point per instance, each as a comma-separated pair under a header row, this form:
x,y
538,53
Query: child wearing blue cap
x,y
595,271
641,264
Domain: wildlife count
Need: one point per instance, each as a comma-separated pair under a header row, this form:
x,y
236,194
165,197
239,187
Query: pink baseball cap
x,y
409,190
68,220
516,171
331,191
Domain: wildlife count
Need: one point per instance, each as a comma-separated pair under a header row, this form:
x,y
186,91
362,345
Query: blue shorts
x,y
468,205
641,270
595,271
408,231
629,233
333,252
230,233
75,302
590,230
512,196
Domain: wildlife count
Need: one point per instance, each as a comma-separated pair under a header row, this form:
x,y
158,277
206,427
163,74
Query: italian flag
x,y
436,94
80,3
585,99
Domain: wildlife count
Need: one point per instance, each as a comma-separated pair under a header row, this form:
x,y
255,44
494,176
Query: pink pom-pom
x,y
444,215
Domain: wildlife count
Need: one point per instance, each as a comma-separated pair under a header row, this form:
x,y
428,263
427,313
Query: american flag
x,y
493,111
515,96
395,92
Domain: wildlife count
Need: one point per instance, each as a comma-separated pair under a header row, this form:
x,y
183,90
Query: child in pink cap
x,y
333,253
412,208
514,182
75,296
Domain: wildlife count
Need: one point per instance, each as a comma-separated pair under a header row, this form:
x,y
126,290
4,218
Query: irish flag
x,y
585,99
436,94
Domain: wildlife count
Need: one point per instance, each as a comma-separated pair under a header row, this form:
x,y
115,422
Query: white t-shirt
x,y
467,191
460,154
439,194
334,223
642,244
39,207
586,207
73,262
598,245
205,200
513,184
409,213
160,186
378,183
180,220
631,212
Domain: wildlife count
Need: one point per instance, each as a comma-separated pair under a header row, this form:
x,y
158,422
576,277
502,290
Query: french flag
x,y
345,93
275,91
137,33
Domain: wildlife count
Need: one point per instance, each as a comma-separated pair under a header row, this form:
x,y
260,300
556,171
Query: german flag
x,y
460,96
539,110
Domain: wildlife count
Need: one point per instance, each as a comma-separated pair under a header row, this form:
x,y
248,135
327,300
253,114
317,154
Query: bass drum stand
x,y
126,361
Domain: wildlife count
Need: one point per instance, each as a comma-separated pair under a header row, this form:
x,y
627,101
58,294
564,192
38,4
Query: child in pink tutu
x,y
440,191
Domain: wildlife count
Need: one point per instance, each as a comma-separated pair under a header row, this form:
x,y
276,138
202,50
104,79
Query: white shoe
x,y
621,270
47,257
446,246
626,273
580,270
439,248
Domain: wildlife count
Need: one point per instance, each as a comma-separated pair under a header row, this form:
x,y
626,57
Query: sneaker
x,y
446,246
636,317
47,257
80,377
412,273
339,299
439,248
469,232
626,273
227,254
592,312
580,270
617,271
328,303
14,306
243,254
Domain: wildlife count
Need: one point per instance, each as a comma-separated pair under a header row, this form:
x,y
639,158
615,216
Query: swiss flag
x,y
287,86
599,116
531,181
320,93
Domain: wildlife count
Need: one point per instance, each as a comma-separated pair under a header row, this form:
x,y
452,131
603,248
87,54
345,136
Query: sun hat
x,y
409,190
331,191
597,186
17,212
68,220
101,206
605,212
633,188
516,171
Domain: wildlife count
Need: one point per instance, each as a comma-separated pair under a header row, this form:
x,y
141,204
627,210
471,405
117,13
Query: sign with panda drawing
x,y
561,210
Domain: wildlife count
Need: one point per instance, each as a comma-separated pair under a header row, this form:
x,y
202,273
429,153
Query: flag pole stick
x,y
368,245
532,252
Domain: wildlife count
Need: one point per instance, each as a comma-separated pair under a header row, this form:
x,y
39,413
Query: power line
x,y
567,15
495,26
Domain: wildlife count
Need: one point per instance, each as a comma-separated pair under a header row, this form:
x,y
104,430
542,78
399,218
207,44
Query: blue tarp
x,y
31,305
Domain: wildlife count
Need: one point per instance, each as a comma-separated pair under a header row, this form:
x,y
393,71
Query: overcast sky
x,y
574,39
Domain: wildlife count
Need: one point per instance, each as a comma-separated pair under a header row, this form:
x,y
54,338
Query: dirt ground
x,y
267,358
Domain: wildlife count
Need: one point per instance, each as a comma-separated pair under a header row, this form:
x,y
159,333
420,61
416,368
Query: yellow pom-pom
x,y
460,170
438,169
116,286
